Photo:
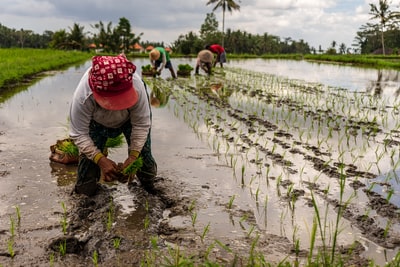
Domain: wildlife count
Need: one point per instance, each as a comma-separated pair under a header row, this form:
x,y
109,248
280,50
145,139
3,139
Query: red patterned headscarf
x,y
111,82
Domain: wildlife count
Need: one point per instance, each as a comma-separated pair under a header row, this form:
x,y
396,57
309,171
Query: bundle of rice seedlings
x,y
68,147
115,142
133,167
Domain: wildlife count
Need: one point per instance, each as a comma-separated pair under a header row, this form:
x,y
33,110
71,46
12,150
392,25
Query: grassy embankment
x,y
19,64
18,67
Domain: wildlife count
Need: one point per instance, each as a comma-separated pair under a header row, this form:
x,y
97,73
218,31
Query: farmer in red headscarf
x,y
220,52
111,99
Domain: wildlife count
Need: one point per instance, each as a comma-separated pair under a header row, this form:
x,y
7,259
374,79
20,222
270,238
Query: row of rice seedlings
x,y
348,135
243,165
216,145
378,156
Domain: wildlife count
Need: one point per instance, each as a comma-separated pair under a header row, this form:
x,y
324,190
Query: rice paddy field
x,y
279,162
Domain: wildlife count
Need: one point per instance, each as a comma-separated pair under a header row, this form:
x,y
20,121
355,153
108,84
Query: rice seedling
x,y
51,259
230,203
192,205
10,246
95,258
390,193
208,251
387,228
116,242
63,247
253,259
193,217
204,233
176,258
12,227
250,231
64,222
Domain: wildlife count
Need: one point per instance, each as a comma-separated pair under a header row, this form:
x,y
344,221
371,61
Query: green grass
x,y
18,64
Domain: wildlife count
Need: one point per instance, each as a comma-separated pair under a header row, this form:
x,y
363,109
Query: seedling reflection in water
x,y
147,217
110,215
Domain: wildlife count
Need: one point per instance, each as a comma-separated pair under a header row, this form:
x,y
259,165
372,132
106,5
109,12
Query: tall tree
x,y
209,29
229,5
384,15
77,37
59,40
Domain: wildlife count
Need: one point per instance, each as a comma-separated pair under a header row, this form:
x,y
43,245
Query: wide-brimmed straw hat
x,y
154,54
205,56
110,79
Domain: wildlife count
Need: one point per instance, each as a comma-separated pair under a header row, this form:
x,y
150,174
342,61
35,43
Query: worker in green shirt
x,y
160,59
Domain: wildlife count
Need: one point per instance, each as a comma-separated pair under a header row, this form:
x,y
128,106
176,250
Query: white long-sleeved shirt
x,y
84,109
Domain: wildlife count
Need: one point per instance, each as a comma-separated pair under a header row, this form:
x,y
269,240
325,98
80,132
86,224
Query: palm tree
x,y
224,4
384,15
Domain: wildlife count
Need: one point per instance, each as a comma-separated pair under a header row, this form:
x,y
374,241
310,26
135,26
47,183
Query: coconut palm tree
x,y
229,5
384,15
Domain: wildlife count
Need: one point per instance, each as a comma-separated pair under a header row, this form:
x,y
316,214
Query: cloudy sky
x,y
317,22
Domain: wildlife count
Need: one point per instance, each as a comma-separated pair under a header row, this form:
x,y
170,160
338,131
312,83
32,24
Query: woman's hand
x,y
109,169
128,161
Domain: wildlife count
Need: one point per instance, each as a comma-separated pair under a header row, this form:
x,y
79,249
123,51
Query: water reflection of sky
x,y
387,185
352,78
42,103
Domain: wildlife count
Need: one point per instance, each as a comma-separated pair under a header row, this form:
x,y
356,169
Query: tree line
x,y
381,37
116,38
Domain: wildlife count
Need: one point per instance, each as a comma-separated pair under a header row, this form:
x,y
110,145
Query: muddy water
x,y
34,119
